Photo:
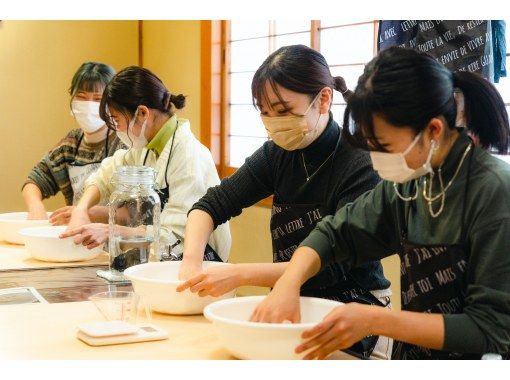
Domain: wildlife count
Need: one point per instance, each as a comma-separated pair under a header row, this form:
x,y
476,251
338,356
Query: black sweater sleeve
x,y
252,182
360,178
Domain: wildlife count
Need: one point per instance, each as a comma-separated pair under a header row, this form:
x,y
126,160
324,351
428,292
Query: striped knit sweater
x,y
50,175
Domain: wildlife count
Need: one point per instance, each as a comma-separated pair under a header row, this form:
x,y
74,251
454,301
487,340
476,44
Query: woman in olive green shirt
x,y
444,207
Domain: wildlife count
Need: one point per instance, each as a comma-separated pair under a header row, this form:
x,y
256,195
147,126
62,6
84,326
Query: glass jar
x,y
134,219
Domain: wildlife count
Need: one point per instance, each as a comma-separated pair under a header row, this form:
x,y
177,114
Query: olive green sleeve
x,y
362,231
484,325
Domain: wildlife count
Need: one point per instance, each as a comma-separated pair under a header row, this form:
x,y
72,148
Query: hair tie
x,y
460,119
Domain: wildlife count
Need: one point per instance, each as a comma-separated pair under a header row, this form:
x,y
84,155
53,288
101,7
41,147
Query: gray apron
x,y
78,173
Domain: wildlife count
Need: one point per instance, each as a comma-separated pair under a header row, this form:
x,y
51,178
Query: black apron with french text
x,y
174,250
432,280
290,225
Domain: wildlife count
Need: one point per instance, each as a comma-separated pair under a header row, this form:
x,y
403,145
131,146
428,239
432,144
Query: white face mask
x,y
292,132
86,114
393,166
129,138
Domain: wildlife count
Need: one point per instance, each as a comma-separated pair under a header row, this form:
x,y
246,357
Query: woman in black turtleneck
x,y
310,171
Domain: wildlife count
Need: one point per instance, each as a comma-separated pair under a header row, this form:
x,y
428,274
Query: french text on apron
x,y
290,225
432,280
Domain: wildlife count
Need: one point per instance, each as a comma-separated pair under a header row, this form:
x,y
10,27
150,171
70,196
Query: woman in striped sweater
x,y
67,165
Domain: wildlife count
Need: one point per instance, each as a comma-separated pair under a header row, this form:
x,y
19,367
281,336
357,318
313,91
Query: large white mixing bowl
x,y
253,340
43,243
12,222
156,283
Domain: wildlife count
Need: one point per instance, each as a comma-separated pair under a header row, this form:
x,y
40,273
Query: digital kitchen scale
x,y
118,332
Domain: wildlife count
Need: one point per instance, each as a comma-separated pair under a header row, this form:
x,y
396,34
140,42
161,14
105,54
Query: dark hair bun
x,y
179,101
340,84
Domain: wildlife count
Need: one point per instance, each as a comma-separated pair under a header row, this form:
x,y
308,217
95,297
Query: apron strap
x,y
169,155
106,144
146,155
463,231
78,147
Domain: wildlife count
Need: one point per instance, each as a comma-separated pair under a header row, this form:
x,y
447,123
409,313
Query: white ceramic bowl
x,y
43,243
156,283
253,340
12,222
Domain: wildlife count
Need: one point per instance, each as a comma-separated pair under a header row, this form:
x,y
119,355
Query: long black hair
x,y
135,86
297,68
408,88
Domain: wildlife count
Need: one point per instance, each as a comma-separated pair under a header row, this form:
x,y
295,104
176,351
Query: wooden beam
x,y
315,35
210,87
225,97
140,43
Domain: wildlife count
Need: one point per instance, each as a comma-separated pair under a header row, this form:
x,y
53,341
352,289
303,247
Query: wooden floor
x,y
61,284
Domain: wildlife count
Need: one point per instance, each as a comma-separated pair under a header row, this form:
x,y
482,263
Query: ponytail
x,y
342,88
135,86
485,112
408,88
340,84
179,101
